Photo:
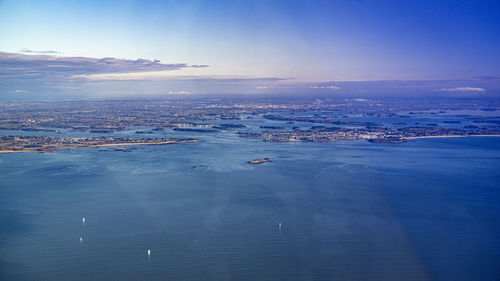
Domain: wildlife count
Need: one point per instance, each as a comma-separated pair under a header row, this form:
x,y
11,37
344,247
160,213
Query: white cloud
x,y
462,89
20,91
39,52
331,87
262,87
56,67
180,92
183,74
150,75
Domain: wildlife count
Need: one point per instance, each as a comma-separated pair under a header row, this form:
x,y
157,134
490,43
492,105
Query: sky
x,y
56,48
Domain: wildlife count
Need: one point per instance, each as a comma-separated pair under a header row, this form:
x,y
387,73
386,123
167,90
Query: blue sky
x,y
287,43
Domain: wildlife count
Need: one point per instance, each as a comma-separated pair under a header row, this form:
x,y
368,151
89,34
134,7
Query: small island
x,y
196,130
259,161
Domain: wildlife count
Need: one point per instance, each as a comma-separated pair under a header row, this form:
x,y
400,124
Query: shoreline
x,y
189,141
432,137
137,143
16,151
97,146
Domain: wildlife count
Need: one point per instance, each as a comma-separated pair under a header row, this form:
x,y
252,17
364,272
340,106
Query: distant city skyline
x,y
55,48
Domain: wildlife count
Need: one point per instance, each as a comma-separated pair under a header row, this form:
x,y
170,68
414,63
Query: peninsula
x,y
43,144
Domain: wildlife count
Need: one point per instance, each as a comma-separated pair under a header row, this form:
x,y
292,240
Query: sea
x,y
352,210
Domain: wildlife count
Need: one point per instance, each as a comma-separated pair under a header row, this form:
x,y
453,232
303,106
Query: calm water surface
x,y
425,210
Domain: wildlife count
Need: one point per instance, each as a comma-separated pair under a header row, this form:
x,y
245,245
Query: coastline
x,y
138,143
431,137
97,146
16,151
195,140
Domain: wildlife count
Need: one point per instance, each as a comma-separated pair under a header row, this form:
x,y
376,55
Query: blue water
x,y
424,210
